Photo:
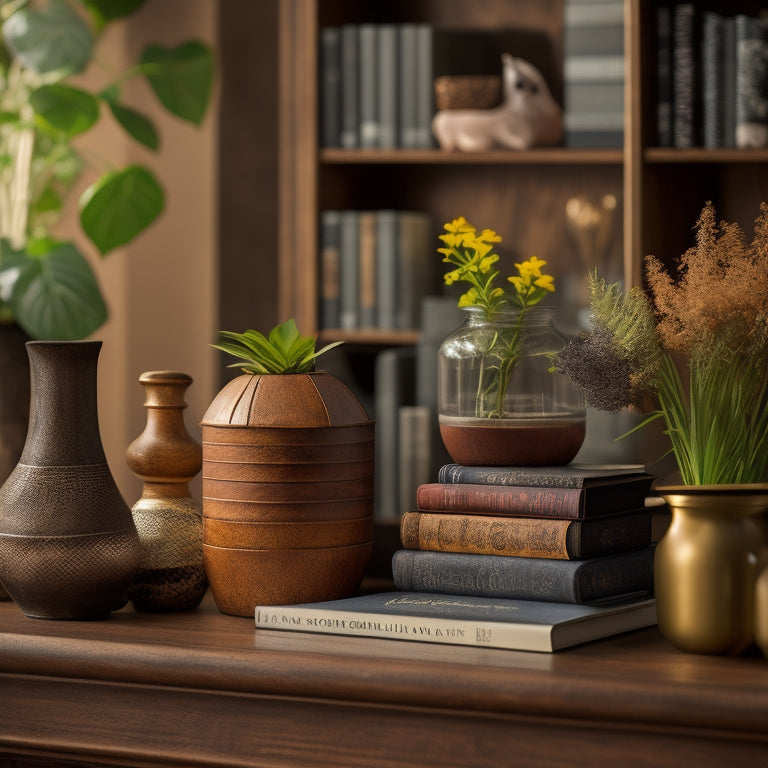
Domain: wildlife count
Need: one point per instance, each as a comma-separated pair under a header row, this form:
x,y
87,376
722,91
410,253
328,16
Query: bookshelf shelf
x,y
544,156
369,337
698,155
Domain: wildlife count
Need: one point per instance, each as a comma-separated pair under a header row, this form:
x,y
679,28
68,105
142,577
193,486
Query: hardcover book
x,y
526,536
455,620
609,496
568,476
525,578
751,81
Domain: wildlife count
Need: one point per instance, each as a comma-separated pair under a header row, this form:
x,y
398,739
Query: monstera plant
x,y
46,285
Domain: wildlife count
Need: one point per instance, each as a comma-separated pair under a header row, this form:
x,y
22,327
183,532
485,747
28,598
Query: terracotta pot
x,y
296,449
305,535
245,578
304,472
289,454
286,511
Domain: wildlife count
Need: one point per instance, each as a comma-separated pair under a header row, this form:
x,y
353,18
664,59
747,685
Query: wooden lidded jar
x,y
288,472
171,576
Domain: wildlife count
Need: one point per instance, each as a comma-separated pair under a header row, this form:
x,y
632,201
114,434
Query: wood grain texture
x,y
200,688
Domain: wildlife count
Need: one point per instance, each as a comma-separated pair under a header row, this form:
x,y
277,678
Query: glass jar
x,y
499,401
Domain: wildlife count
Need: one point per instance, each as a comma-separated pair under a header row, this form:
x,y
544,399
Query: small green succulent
x,y
284,351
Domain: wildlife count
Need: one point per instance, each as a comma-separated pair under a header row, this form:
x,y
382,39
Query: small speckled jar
x,y
68,545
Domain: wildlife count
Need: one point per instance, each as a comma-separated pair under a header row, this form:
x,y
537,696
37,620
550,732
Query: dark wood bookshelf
x,y
202,690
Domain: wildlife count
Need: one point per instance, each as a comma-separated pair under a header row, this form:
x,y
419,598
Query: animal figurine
x,y
528,116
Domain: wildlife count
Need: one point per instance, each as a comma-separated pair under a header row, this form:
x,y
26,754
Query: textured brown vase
x,y
171,576
68,545
14,402
288,467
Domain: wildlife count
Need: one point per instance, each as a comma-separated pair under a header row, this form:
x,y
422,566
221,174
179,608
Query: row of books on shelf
x,y
375,268
712,78
522,558
593,73
376,86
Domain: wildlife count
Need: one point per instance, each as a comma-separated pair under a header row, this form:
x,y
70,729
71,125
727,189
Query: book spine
x,y
367,234
369,122
685,71
413,453
525,537
729,81
386,49
386,269
475,534
524,578
350,101
713,95
424,86
523,476
330,256
664,75
478,633
414,274
509,500
408,92
330,69
751,82
349,277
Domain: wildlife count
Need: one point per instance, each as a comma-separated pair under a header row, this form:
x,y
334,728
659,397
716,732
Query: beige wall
x,y
162,288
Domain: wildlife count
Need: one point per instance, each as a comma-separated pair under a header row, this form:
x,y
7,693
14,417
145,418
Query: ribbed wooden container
x,y
288,470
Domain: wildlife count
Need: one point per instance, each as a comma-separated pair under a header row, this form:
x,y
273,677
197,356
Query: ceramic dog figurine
x,y
528,116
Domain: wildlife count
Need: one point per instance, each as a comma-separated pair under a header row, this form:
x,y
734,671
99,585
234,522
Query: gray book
x,y
415,257
408,92
454,620
386,51
713,86
368,83
751,81
525,578
414,454
350,98
394,379
330,260
349,275
330,86
424,87
386,269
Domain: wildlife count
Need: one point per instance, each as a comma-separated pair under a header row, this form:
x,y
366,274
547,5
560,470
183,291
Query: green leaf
x,y
50,38
119,206
182,78
109,10
137,125
57,296
65,108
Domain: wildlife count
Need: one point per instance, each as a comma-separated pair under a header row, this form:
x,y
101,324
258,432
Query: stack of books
x,y
712,77
577,534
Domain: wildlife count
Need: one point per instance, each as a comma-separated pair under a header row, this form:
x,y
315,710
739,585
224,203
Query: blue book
x,y
455,620
525,578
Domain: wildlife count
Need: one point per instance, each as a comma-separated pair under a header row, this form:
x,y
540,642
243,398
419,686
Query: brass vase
x,y
706,566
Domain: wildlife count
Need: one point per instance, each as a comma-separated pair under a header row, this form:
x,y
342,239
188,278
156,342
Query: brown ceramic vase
x,y
68,545
288,468
171,575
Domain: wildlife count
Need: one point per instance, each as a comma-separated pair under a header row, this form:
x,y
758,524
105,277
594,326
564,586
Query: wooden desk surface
x,y
203,689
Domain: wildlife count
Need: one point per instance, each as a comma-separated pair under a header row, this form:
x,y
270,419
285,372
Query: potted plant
x,y
288,469
48,290
694,354
500,402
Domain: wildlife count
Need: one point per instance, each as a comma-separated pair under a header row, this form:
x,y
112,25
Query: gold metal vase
x,y
706,566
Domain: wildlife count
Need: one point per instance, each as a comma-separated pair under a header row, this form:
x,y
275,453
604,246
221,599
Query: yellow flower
x,y
488,262
531,267
547,282
452,277
459,225
469,298
489,236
